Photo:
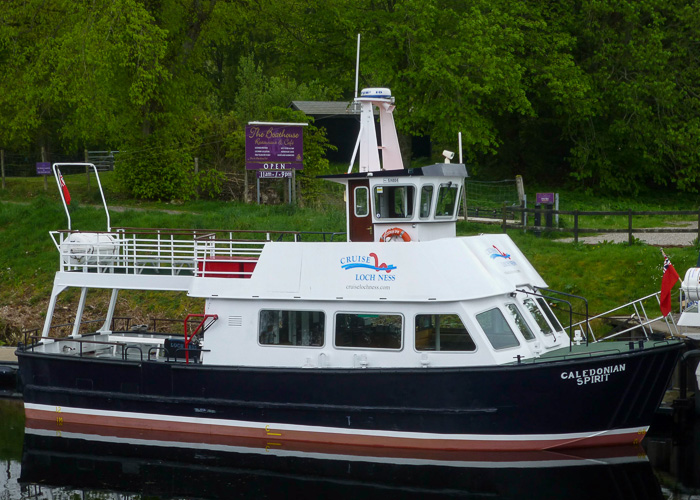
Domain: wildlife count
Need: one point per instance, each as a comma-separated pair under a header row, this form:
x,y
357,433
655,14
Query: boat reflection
x,y
92,458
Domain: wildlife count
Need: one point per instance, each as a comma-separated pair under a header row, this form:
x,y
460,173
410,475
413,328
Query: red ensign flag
x,y
669,279
64,188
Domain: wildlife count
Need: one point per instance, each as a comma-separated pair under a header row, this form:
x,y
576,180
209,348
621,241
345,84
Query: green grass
x,y
607,274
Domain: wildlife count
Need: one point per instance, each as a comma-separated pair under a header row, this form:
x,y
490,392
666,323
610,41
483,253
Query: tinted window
x,y
301,328
379,331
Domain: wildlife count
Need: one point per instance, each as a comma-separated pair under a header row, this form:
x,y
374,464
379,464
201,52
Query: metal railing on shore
x,y
508,214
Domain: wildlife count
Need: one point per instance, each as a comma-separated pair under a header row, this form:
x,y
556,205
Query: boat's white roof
x,y
440,270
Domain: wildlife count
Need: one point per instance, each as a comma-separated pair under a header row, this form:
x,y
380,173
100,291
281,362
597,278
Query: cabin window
x,y
394,202
538,316
497,329
447,200
376,331
426,200
299,328
520,322
361,201
442,332
548,312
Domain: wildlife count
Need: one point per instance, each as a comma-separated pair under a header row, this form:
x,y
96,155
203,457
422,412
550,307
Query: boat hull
x,y
566,403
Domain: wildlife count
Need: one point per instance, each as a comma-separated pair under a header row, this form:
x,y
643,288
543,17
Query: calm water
x,y
48,461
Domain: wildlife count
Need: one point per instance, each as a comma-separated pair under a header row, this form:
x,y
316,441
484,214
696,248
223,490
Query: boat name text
x,y
594,375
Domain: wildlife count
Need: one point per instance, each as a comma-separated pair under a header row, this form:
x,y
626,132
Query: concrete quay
x,y
7,355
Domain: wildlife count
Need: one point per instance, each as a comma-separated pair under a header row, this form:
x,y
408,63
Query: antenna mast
x,y
357,64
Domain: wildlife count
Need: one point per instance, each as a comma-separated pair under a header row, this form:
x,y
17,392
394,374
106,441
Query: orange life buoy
x,y
395,231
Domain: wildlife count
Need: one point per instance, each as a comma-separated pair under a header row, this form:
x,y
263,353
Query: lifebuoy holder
x,y
393,232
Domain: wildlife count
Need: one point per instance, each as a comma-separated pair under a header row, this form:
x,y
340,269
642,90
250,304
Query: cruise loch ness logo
x,y
497,254
503,259
368,262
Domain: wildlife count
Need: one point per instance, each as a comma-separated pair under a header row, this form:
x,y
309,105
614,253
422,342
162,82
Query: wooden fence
x,y
577,214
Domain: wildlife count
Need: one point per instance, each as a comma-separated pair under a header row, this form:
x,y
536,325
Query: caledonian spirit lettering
x,y
594,375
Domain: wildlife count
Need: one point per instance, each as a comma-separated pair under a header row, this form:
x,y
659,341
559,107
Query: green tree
x,y
642,60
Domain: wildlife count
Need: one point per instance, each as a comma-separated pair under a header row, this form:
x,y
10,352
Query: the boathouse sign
x,y
274,148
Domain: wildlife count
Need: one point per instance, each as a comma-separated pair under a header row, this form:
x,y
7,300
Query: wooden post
x,y
87,169
521,188
43,159
504,217
2,166
245,186
698,229
575,226
196,166
629,226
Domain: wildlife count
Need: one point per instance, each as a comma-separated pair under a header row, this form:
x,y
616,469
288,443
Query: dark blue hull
x,y
574,402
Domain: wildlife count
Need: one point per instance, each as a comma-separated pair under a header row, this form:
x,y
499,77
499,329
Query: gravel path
x,y
655,239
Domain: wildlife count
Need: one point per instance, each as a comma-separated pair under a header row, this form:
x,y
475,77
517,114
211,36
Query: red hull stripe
x,y
329,436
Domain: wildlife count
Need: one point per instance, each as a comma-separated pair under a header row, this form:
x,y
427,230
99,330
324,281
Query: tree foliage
x,y
603,94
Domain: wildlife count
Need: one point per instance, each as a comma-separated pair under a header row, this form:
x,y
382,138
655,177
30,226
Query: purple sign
x,y
274,174
43,168
274,147
545,198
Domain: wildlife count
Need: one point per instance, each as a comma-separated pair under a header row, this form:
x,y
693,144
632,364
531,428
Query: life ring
x,y
395,231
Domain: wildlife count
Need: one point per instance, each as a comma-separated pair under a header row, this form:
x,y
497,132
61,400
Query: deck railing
x,y
638,321
173,252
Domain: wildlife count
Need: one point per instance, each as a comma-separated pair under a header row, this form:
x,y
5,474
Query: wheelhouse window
x,y
374,331
520,322
550,315
497,329
297,328
361,201
394,202
537,315
426,200
447,200
442,332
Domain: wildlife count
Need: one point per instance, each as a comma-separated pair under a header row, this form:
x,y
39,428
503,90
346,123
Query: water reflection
x,y
160,464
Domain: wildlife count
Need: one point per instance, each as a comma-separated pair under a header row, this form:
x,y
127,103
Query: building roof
x,y
323,108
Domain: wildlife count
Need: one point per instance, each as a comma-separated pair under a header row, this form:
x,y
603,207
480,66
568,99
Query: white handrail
x,y
63,199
